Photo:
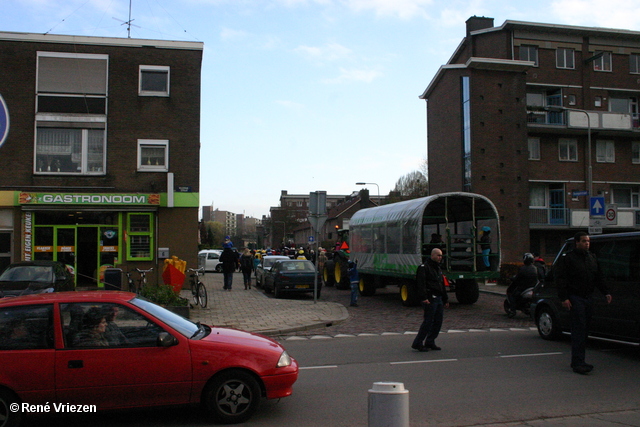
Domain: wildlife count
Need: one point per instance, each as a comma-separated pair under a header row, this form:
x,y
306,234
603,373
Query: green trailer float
x,y
389,242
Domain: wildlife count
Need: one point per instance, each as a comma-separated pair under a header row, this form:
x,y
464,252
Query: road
x,y
479,378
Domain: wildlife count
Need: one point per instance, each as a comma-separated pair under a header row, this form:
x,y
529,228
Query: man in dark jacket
x,y
433,294
229,263
577,275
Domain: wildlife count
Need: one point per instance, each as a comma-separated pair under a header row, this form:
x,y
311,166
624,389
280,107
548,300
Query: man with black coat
x,y
577,275
433,296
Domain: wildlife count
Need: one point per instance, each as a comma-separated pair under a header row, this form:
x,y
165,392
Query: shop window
x,y
568,150
154,80
153,155
602,62
139,236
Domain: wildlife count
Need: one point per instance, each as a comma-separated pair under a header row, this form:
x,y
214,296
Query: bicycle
x,y
198,290
142,280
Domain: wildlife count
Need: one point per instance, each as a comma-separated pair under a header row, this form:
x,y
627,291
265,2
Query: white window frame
x,y
605,152
635,153
604,62
526,53
564,150
633,193
534,148
154,68
634,63
155,143
565,51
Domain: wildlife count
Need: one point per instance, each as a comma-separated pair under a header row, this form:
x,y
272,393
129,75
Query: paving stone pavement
x,y
254,311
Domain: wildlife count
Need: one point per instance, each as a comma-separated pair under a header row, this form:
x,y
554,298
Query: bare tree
x,y
412,185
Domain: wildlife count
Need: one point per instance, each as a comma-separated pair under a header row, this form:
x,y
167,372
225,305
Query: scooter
x,y
522,303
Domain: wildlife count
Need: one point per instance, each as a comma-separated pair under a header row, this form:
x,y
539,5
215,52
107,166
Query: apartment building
x,y
99,162
539,118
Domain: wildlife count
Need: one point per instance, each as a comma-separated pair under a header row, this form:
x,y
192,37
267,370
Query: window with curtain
x,y
153,155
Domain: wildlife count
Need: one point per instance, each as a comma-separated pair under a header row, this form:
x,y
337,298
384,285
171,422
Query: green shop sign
x,y
25,198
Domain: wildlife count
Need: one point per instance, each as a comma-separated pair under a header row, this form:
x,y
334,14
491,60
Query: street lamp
x,y
559,109
371,183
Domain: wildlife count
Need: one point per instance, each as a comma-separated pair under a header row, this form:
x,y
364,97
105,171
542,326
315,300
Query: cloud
x,y
625,14
404,9
230,34
290,104
353,75
328,52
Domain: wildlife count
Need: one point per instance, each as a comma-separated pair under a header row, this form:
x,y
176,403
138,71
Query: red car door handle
x,y
75,364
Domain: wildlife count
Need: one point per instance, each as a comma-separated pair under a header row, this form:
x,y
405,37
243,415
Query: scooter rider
x,y
527,277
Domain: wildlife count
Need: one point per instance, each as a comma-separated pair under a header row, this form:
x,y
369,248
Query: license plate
x,y
302,286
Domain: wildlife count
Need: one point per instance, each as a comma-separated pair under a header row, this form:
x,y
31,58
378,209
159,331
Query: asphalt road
x,y
384,312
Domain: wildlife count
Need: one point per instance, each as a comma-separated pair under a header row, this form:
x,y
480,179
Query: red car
x,y
111,350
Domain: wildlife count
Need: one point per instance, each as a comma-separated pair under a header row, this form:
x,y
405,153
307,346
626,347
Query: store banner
x,y
88,199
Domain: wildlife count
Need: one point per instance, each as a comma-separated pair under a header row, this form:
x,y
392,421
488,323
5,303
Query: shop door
x,y
5,249
65,245
87,256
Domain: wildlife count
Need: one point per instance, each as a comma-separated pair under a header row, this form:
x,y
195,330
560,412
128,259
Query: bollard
x,y
388,405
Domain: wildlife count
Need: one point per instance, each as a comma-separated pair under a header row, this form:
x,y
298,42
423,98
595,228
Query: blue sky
x,y
307,95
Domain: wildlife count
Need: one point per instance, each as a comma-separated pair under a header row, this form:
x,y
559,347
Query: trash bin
x,y
113,279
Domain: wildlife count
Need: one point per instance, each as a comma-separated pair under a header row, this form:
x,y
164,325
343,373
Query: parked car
x,y
210,260
292,276
619,259
33,277
265,265
115,350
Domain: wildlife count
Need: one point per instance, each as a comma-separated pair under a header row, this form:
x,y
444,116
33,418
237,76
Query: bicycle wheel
x,y
195,294
202,295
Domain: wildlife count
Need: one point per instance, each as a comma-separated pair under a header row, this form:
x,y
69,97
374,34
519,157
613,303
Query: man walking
x,y
578,275
433,294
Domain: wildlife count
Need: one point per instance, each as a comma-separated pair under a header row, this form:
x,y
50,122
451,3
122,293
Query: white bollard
x,y
388,405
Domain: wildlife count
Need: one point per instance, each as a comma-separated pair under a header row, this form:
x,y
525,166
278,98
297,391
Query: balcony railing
x,y
548,216
599,119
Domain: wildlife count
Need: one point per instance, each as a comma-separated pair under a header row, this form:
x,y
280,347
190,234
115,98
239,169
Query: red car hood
x,y
238,337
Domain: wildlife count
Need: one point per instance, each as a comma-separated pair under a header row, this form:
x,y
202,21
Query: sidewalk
x,y
252,311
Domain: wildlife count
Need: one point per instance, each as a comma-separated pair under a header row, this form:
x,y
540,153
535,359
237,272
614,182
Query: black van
x,y
619,259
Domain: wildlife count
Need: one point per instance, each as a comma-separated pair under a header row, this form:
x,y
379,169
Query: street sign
x,y
595,230
311,239
317,222
576,193
611,215
596,206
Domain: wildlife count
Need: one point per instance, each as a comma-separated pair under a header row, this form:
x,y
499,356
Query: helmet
x,y
301,252
527,258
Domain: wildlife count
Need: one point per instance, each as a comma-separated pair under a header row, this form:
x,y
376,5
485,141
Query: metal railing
x,y
548,216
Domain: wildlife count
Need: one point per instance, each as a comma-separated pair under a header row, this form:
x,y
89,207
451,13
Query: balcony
x,y
549,216
628,218
577,119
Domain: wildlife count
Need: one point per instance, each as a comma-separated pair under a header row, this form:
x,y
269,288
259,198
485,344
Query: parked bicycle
x,y
198,289
142,280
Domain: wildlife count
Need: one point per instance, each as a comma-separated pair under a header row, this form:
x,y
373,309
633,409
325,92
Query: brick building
x,y
100,164
512,114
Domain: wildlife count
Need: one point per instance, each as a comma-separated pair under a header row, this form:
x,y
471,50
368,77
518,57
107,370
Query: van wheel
x,y
9,418
547,323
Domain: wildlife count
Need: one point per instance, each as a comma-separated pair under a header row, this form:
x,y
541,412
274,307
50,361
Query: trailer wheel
x,y
340,274
467,291
327,273
409,294
366,286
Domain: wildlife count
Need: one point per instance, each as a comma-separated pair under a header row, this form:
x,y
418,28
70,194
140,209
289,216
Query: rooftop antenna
x,y
128,23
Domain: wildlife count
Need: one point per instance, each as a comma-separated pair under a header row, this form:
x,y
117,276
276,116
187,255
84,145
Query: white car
x,y
210,260
265,265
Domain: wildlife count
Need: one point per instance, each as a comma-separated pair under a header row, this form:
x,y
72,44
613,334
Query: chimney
x,y
478,23
364,198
